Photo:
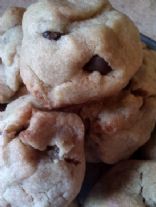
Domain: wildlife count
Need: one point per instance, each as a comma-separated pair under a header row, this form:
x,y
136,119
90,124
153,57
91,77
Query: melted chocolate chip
x,y
52,35
53,152
2,107
97,64
139,92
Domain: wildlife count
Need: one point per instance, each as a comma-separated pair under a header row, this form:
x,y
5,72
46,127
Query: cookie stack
x,y
78,86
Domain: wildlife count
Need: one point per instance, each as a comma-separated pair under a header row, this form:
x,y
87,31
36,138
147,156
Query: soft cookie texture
x,y
128,184
77,51
144,81
41,156
117,127
10,43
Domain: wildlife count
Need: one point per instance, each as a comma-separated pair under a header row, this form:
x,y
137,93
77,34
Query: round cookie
x,y
41,156
77,51
117,127
10,43
128,184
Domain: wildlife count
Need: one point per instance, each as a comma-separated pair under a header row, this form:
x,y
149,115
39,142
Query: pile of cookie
x,y
76,86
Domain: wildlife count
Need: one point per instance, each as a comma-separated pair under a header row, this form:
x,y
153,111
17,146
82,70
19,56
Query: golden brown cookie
x,y
76,51
117,127
41,156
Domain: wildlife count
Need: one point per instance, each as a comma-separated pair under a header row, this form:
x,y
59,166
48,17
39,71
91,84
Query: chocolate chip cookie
x,y
41,156
76,51
117,127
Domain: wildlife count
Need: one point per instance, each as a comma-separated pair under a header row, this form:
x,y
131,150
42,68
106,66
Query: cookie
x,y
10,43
144,80
128,184
117,127
76,51
11,18
15,117
44,154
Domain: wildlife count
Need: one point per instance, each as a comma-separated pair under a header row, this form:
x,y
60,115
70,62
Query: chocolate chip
x,y
52,35
97,64
139,92
53,152
2,107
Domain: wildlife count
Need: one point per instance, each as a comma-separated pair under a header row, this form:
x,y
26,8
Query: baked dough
x,y
10,43
117,127
41,156
77,51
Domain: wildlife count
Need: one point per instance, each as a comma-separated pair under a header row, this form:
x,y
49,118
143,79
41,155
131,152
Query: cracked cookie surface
x,y
77,51
44,153
117,127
